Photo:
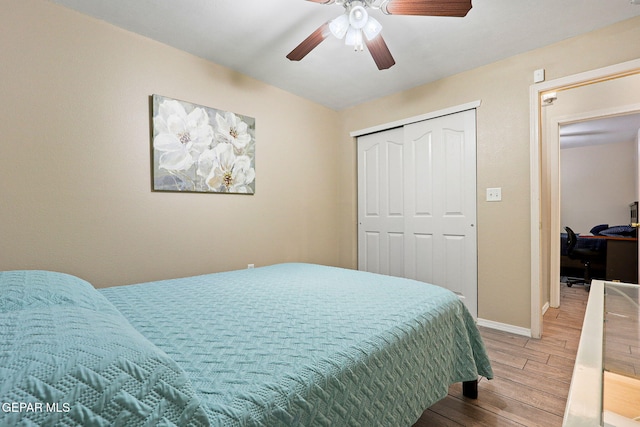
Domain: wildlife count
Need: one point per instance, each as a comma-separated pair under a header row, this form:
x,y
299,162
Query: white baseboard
x,y
504,327
545,307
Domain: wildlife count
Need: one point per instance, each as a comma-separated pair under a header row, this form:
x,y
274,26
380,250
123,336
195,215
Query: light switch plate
x,y
494,194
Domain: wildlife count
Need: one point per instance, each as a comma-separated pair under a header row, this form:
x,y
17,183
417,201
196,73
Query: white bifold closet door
x,y
417,203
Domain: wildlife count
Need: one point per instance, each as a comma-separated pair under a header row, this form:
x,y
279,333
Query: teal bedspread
x,y
285,345
69,358
307,345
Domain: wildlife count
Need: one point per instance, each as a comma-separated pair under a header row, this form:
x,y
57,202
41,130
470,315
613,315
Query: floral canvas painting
x,y
201,149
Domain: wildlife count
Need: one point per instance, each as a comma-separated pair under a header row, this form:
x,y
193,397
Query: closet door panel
x,y
370,252
395,167
420,157
423,244
371,182
453,171
443,175
417,203
381,204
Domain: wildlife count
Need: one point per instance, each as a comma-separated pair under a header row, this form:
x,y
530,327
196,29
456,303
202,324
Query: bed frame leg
x,y
470,389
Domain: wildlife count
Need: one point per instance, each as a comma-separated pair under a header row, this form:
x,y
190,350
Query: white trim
x,y
536,223
504,327
534,146
545,307
420,118
589,76
554,180
604,112
553,168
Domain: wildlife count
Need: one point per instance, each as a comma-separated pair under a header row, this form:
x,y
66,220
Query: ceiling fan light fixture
x,y
372,28
354,38
353,23
339,26
358,15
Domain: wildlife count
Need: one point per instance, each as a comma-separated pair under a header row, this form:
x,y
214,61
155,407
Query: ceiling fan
x,y
358,28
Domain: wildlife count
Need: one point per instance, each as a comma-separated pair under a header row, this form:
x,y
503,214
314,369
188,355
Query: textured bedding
x,y
298,344
289,345
68,357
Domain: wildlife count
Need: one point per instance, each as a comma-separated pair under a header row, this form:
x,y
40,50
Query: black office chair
x,y
584,255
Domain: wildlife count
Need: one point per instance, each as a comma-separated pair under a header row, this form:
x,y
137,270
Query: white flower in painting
x,y
226,171
206,163
233,130
181,137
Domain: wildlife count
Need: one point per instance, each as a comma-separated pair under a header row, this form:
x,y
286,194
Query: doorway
x,y
597,101
598,189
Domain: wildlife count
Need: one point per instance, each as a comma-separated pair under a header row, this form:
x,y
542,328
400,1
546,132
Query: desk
x,y
622,258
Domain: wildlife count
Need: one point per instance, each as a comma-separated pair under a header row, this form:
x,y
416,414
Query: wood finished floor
x,y
531,376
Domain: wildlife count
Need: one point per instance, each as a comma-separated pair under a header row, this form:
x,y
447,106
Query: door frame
x,y
536,162
556,195
432,115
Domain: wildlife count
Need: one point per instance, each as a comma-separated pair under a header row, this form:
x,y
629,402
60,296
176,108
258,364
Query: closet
x,y
417,203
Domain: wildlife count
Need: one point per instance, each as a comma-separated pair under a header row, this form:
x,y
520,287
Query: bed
x,y
288,344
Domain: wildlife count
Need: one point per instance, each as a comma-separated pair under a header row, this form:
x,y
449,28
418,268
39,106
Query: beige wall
x,y
74,157
591,196
504,283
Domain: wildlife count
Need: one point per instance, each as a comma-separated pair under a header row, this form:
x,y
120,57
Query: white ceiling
x,y
600,131
254,36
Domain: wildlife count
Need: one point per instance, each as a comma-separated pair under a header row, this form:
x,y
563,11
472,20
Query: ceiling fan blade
x,y
380,52
309,43
323,1
458,8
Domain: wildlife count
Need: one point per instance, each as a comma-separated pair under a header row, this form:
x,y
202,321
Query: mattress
x,y
285,345
299,344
